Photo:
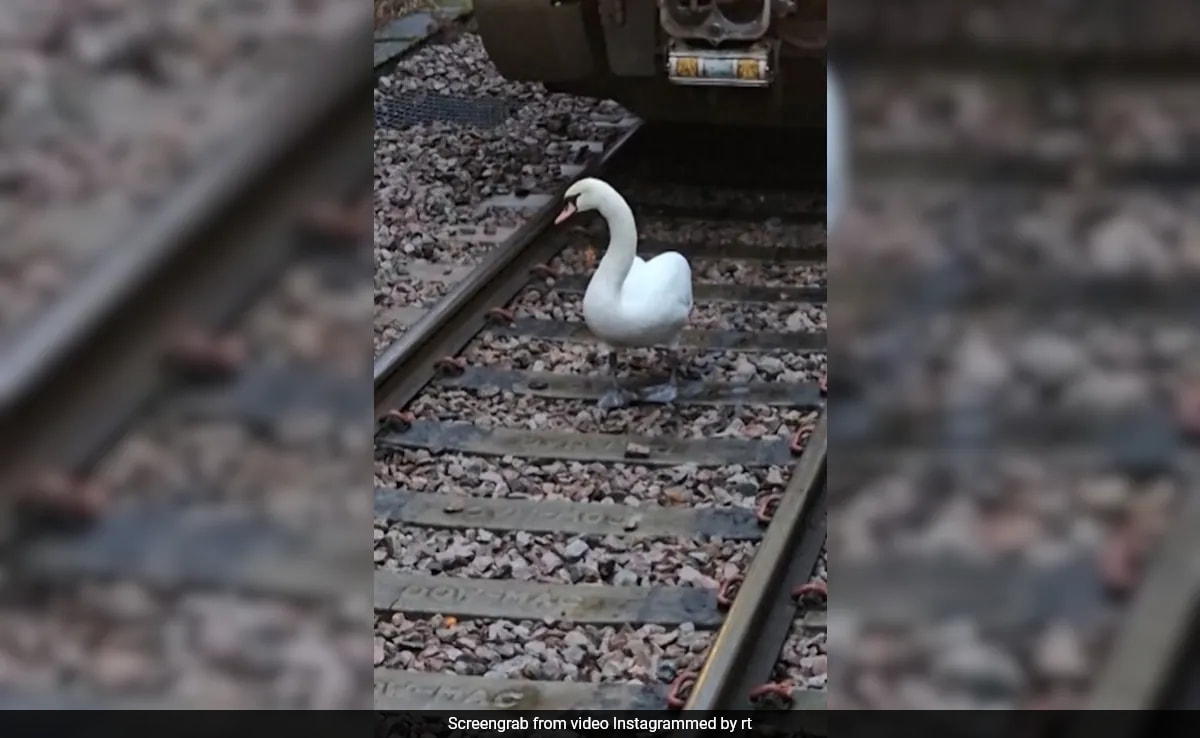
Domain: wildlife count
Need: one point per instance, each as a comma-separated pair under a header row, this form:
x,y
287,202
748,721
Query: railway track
x,y
1013,416
116,106
533,552
459,164
178,432
1006,37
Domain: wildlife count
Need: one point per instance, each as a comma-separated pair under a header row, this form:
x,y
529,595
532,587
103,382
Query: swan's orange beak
x,y
567,211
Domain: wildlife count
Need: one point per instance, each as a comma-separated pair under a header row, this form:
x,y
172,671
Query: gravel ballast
x,y
647,654
510,352
561,559
123,639
431,179
1080,518
211,651
745,317
111,105
628,484
576,261
682,421
446,208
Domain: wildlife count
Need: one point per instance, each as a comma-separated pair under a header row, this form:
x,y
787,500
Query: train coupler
x,y
685,19
745,66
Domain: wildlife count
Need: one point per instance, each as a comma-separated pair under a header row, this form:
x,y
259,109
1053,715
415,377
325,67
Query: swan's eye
x,y
572,200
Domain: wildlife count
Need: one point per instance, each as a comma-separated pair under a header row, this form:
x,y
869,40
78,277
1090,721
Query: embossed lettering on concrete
x,y
525,600
575,444
505,698
585,518
456,593
706,452
476,513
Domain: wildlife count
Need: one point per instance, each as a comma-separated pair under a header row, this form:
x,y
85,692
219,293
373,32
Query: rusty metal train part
x,y
750,62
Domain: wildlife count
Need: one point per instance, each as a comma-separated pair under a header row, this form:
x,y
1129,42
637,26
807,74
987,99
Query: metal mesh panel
x,y
399,110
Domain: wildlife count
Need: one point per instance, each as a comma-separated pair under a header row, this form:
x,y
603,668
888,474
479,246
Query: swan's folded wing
x,y
662,285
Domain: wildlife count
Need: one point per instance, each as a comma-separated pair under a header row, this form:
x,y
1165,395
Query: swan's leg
x,y
666,393
615,397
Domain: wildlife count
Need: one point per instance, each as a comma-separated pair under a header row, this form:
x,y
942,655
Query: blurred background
x,y
185,307
1015,354
185,300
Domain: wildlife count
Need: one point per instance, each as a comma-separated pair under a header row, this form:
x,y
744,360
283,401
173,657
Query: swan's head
x,y
586,194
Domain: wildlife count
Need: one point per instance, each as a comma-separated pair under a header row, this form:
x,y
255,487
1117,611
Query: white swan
x,y
837,174
629,301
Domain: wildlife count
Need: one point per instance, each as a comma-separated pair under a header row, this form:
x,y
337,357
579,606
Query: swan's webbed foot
x,y
668,391
661,393
613,399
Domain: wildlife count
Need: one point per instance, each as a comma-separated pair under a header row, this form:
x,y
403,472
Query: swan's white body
x,y
837,175
649,306
631,301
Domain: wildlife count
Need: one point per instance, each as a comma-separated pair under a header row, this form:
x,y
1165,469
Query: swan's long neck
x,y
622,241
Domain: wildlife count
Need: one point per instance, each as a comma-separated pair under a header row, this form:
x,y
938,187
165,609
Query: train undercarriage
x,y
741,62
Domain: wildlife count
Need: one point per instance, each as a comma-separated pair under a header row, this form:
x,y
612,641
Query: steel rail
x,y
883,162
407,365
72,381
756,626
1151,665
1141,670
865,51
74,378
